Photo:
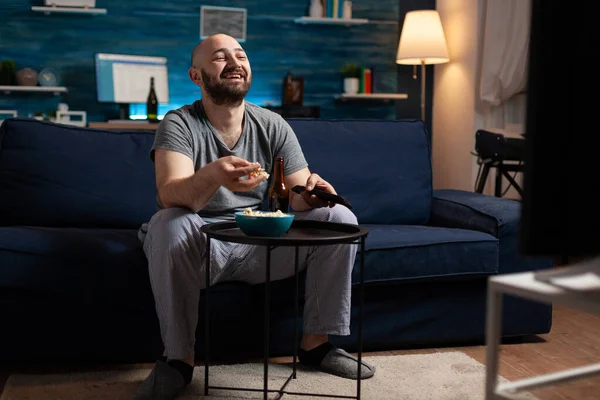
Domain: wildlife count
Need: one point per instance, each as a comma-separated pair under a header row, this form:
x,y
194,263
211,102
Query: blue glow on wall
x,y
275,45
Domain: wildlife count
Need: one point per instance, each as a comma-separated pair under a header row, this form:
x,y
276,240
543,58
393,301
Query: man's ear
x,y
195,76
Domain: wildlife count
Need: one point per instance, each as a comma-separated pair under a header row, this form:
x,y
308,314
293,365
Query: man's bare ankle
x,y
310,341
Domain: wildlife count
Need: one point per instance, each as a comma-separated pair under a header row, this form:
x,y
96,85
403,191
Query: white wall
x,y
454,117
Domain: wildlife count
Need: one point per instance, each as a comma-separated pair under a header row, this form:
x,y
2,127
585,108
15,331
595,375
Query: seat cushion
x,y
91,262
399,252
96,262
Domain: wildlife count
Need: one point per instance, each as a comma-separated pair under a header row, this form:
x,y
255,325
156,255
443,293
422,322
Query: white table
x,y
574,286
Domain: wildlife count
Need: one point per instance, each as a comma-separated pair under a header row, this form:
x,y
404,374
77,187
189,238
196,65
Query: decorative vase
x,y
347,10
27,77
316,9
351,85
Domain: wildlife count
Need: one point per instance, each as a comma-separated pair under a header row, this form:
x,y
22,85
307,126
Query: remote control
x,y
323,195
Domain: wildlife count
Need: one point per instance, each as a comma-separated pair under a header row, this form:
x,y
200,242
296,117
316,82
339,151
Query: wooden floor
x,y
574,341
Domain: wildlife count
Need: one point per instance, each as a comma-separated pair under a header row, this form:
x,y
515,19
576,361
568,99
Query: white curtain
x,y
503,64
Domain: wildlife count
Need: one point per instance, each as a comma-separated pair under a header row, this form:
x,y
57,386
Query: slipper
x,y
163,383
341,363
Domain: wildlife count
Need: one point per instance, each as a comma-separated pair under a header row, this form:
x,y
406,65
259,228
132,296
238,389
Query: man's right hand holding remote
x,y
315,181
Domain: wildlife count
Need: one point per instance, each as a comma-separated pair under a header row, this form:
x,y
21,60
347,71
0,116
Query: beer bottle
x,y
279,194
152,103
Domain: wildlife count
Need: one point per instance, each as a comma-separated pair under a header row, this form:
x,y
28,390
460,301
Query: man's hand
x,y
315,181
229,171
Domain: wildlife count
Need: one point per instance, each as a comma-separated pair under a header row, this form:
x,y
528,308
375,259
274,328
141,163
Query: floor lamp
x,y
422,42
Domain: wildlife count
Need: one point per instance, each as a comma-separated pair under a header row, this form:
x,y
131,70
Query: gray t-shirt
x,y
265,135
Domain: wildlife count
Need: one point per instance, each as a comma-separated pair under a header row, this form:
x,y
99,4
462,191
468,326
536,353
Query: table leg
x,y
361,314
498,187
266,327
206,318
295,312
493,333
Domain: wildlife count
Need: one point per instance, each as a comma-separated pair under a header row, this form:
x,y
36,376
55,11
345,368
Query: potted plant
x,y
7,72
351,75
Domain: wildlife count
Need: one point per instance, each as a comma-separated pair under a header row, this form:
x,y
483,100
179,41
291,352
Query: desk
x,y
536,286
124,126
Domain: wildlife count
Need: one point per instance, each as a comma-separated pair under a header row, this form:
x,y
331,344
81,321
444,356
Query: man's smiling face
x,y
225,73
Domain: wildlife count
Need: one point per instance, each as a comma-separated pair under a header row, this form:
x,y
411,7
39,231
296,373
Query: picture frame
x,y
297,96
64,117
231,21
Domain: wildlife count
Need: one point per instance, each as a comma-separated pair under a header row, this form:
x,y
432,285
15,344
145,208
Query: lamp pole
x,y
423,90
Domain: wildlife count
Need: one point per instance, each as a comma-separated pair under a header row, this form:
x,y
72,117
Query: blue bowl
x,y
266,226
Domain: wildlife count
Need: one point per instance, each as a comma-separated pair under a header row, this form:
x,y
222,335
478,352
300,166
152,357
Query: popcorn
x,y
251,213
259,172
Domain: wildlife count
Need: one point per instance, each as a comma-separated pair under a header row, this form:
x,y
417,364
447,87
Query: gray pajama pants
x,y
176,252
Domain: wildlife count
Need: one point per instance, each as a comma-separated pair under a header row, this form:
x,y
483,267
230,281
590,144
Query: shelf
x,y
125,126
331,21
373,96
69,10
44,89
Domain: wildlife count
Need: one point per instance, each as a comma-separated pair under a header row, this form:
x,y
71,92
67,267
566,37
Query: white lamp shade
x,y
422,39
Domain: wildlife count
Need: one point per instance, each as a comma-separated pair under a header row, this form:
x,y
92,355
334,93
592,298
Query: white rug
x,y
439,376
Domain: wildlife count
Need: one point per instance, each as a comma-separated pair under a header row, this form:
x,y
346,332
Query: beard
x,y
223,92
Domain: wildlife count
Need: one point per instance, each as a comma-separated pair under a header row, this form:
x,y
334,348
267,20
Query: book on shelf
x,y
333,8
366,80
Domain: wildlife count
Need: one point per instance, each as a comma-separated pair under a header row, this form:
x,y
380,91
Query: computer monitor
x,y
125,79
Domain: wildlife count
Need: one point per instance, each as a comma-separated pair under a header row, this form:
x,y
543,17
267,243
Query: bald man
x,y
204,154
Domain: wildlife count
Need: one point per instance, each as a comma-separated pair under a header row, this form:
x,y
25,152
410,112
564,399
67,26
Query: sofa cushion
x,y
59,175
95,261
382,167
400,252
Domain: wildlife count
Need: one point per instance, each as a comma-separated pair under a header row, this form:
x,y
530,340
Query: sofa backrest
x,y
60,175
382,167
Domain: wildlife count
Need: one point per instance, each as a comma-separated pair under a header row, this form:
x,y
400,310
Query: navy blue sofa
x,y
73,277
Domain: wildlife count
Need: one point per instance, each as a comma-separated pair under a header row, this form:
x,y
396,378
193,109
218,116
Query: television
x,y
560,209
125,79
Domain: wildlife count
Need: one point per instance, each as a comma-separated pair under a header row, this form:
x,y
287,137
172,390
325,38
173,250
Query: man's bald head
x,y
210,44
221,69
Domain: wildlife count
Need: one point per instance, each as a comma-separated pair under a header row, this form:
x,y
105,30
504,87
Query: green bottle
x,y
152,103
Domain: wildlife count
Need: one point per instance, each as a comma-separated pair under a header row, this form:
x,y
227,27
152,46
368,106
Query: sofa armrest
x,y
468,210
496,216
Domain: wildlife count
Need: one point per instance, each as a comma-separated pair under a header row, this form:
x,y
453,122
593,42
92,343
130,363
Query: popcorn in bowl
x,y
263,223
252,213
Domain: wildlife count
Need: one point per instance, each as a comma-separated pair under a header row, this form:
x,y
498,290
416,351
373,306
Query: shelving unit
x,y
69,10
43,89
373,96
331,21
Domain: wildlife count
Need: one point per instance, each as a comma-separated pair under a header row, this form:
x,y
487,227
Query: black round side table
x,y
301,233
